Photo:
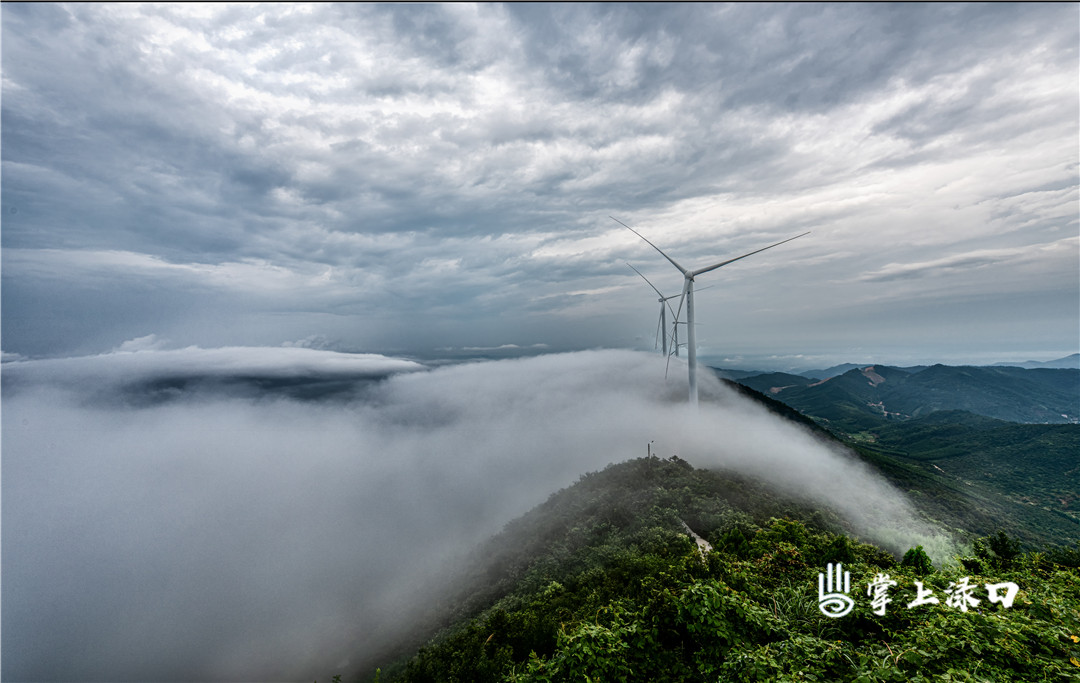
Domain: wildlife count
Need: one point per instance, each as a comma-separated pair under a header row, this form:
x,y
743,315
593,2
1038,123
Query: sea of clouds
x,y
217,533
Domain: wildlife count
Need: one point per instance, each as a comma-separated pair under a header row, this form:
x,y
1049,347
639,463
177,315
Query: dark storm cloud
x,y
378,140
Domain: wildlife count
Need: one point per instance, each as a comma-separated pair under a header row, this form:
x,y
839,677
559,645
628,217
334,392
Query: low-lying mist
x,y
220,536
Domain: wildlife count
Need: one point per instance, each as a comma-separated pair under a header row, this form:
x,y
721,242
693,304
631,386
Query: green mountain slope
x,y
1034,466
772,383
970,473
604,583
1006,393
1014,394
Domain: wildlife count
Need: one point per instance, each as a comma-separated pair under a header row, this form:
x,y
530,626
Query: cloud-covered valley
x,y
242,536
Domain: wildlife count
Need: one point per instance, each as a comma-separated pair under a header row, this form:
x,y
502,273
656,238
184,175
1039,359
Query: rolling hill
x,y
937,434
848,401
603,582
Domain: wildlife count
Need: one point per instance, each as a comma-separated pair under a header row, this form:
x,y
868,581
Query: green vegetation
x,y
974,474
1030,464
918,560
605,586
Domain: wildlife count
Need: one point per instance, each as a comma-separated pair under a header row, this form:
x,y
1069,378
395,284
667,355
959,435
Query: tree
x,y
917,559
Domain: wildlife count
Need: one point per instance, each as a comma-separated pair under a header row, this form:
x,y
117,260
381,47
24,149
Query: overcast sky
x,y
435,180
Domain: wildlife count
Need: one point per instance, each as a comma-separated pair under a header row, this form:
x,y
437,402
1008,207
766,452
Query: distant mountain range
x,y
1068,362
1072,361
847,367
860,397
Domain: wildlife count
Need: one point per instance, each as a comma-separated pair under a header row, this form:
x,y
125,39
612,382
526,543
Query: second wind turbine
x,y
662,325
688,295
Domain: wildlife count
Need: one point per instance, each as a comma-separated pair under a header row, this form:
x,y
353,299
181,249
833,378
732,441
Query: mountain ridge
x,y
1036,395
1070,361
605,582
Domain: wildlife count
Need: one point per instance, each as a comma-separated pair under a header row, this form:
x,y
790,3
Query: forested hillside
x,y
604,583
859,397
967,470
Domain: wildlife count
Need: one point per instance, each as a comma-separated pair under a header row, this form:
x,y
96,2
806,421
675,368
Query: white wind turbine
x,y
688,295
664,306
662,325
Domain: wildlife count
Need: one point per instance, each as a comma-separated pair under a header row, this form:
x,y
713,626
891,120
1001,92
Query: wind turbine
x,y
688,295
664,305
662,325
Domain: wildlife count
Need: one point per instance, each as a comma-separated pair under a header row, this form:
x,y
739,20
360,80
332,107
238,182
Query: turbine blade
x,y
674,316
646,280
681,269
659,324
682,297
724,263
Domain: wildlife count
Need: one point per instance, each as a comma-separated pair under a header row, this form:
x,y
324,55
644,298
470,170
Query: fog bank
x,y
223,537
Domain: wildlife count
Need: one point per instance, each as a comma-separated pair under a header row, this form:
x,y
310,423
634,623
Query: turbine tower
x,y
688,296
664,305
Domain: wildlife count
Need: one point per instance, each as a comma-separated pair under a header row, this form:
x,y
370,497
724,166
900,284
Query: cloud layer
x,y
144,360
216,537
411,177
